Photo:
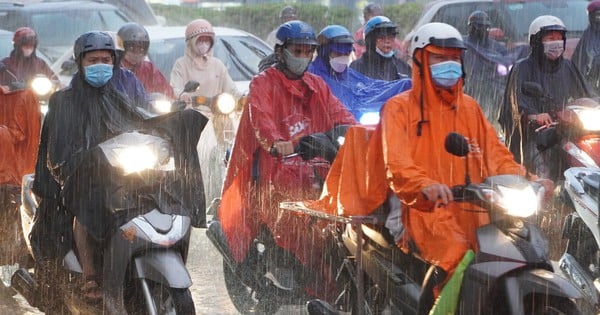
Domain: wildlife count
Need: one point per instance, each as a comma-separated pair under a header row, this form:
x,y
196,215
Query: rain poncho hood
x,y
588,47
359,93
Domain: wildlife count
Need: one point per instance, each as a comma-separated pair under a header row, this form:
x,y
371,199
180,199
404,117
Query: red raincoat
x,y
19,135
151,78
278,109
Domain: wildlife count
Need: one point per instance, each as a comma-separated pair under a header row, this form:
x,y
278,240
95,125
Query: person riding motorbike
x,y
359,93
414,125
285,103
522,114
379,60
23,65
588,47
135,40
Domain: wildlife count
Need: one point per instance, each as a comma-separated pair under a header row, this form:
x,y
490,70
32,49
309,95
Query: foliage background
x,y
260,19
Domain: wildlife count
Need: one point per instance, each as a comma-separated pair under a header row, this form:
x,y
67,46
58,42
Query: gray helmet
x,y
91,41
134,33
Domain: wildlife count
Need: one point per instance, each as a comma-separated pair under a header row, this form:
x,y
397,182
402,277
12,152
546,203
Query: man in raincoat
x,y
414,125
588,46
560,80
285,103
362,95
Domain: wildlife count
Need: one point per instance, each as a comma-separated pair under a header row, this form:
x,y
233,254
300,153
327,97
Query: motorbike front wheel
x,y
244,297
166,299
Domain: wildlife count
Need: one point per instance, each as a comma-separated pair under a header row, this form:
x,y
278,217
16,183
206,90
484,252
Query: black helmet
x,y
134,33
480,18
288,13
91,41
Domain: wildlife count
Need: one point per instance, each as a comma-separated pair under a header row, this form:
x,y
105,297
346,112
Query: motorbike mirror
x,y
532,89
191,86
456,144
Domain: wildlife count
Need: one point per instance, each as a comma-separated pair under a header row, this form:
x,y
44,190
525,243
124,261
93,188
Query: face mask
x,y
134,58
202,47
339,64
554,49
386,55
98,74
297,65
446,74
27,51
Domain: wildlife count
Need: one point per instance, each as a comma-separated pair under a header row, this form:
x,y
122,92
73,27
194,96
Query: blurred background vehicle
x,y
510,19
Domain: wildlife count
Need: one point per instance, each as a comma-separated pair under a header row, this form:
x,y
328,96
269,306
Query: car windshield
x,y
240,54
572,13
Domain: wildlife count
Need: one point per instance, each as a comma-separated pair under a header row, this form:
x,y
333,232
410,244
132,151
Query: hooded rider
x,y
588,47
379,60
560,80
414,125
362,95
285,103
23,65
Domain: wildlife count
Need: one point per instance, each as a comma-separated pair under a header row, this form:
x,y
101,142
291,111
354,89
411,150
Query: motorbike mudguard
x,y
163,267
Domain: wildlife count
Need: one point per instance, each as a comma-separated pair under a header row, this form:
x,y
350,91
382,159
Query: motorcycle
x,y
510,274
144,261
272,277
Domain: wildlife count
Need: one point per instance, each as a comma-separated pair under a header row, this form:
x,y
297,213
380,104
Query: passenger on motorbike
x,y
588,47
362,95
23,65
414,125
135,40
560,79
285,103
379,60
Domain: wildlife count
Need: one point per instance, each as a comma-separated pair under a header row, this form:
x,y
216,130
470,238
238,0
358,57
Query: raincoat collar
x,y
423,87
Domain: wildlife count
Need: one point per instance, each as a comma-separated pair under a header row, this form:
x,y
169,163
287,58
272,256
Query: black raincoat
x,y
587,49
378,67
561,81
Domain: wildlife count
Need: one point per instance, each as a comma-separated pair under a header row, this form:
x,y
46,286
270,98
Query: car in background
x,y
59,23
510,19
6,44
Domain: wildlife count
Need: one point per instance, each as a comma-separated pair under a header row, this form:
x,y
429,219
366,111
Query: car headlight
x,y
41,85
369,118
162,106
225,103
136,158
518,202
590,118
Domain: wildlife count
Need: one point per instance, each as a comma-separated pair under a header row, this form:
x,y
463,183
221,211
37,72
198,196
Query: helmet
x,y
91,41
133,32
545,23
295,32
593,6
377,23
335,34
479,17
24,35
117,40
288,13
199,27
437,34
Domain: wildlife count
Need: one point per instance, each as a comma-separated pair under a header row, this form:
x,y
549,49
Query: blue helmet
x,y
295,32
378,23
335,34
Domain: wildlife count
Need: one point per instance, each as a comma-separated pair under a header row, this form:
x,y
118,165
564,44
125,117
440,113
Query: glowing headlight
x,y
162,105
43,109
136,159
225,103
41,85
590,118
369,118
518,202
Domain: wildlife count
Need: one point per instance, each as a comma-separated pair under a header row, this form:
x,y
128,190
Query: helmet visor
x,y
447,42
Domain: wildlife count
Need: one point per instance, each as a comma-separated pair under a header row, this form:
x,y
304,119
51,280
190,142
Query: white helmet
x,y
546,23
437,34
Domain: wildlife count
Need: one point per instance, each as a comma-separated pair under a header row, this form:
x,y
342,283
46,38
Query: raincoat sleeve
x,y
178,76
159,83
406,178
227,82
261,107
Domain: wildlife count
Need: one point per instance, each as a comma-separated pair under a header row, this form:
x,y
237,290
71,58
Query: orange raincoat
x,y
19,135
442,234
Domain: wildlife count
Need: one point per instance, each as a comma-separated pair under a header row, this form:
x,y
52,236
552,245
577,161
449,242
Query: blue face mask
x,y
446,74
97,75
381,53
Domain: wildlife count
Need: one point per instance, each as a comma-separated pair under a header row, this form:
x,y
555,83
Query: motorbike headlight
x,y
518,202
41,85
590,118
136,158
369,118
162,106
225,103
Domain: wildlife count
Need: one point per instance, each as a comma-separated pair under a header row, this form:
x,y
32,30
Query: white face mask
x,y
340,63
554,49
27,52
202,47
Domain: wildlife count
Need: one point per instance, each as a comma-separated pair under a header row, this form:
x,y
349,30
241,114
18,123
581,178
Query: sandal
x,y
91,291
